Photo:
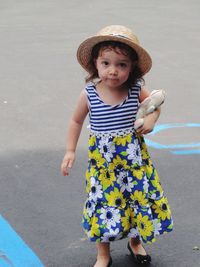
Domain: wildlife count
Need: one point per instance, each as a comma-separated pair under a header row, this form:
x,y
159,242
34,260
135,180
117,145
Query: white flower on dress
x,y
124,181
90,207
145,184
133,233
95,190
112,235
157,226
134,152
110,216
153,196
107,148
149,211
136,208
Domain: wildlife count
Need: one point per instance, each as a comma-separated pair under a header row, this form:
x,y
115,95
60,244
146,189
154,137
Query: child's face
x,y
113,67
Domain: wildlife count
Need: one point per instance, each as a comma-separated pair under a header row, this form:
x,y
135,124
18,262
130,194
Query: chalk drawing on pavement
x,y
178,149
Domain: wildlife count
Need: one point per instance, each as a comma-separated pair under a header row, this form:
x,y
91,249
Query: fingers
x,y
140,130
67,162
143,130
66,166
70,163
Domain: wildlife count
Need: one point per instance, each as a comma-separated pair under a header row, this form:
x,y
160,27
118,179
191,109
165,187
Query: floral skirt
x,y
124,194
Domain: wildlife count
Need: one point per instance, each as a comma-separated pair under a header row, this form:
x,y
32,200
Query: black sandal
x,y
138,258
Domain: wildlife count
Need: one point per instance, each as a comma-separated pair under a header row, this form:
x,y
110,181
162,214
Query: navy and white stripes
x,y
108,118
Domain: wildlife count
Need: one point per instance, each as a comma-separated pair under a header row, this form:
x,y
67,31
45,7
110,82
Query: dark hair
x,y
125,49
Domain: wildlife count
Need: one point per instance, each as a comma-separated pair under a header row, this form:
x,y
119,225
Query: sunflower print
x,y
144,151
95,227
124,195
139,198
161,208
118,164
128,219
145,226
96,159
106,178
92,141
115,198
138,173
123,140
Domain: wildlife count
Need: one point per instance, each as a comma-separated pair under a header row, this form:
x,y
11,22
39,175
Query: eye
x,y
105,63
122,65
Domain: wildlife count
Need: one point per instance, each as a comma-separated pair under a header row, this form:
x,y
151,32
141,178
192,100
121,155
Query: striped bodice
x,y
108,118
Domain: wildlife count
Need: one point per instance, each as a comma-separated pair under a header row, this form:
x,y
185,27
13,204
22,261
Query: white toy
x,y
149,105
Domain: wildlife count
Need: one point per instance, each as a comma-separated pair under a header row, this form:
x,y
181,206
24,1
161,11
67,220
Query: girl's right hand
x,y
67,162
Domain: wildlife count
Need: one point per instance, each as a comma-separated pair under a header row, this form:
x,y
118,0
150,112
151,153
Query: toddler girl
x,y
124,194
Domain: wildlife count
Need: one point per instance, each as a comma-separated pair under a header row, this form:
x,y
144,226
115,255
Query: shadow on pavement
x,y
45,209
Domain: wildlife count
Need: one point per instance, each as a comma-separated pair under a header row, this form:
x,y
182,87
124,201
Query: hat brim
x,y
85,49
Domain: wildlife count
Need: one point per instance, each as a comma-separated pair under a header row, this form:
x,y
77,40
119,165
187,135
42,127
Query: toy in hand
x,y
149,105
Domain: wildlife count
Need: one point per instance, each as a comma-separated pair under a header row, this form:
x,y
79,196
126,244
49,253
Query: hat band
x,y
120,35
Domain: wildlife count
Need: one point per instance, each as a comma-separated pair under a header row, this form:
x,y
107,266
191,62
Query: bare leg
x,y
136,246
103,254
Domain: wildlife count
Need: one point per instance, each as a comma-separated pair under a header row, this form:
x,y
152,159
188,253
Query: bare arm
x,y
150,119
73,132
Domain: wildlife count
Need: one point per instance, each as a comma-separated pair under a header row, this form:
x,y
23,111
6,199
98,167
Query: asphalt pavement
x,y
40,80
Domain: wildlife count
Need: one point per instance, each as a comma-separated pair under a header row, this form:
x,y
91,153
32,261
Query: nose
x,y
112,70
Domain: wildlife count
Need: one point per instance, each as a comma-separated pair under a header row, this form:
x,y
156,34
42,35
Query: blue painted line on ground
x,y
14,252
162,127
174,146
186,152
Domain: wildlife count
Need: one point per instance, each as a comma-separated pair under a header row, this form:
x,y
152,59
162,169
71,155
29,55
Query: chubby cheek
x,y
102,73
124,76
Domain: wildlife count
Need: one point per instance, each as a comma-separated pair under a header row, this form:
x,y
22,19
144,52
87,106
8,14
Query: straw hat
x,y
114,33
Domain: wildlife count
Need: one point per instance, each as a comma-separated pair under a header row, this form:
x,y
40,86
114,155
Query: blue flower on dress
x,y
110,216
107,148
134,152
125,182
95,190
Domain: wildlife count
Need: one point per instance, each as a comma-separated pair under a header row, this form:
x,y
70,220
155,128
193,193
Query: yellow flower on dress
x,y
139,198
128,219
148,169
94,231
92,140
156,183
122,140
138,173
96,158
107,178
145,226
87,175
115,198
118,163
144,151
161,207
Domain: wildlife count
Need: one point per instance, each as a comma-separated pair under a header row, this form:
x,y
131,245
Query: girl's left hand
x,y
148,126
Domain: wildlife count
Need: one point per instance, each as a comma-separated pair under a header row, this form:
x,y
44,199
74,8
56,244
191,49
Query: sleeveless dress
x,y
124,194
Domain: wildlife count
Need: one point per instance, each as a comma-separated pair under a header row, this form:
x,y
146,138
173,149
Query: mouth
x,y
113,79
